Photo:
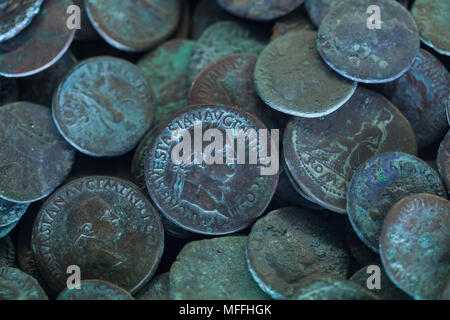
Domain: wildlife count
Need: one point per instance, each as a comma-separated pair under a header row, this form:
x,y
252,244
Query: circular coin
x,y
8,90
17,285
318,9
296,20
206,13
95,290
260,10
11,212
16,15
157,289
443,160
4,231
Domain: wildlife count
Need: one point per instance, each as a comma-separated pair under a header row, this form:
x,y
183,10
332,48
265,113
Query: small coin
x,y
95,290
363,54
139,26
290,244
206,198
207,13
9,91
421,94
415,245
7,253
157,289
104,225
318,9
167,69
379,183
213,269
322,153
35,159
103,106
291,78
443,161
11,212
17,285
40,45
296,20
87,31
260,10
16,15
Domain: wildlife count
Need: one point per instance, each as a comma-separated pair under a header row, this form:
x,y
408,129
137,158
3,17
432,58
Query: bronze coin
x,y
260,10
207,13
11,212
17,285
157,289
8,90
318,9
104,225
95,290
16,15
443,161
296,20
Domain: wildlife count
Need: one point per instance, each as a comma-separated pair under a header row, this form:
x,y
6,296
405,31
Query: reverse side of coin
x,y
443,161
95,290
157,289
16,15
260,10
17,285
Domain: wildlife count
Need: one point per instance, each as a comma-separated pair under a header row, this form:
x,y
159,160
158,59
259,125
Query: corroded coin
x,y
17,285
433,23
260,10
443,161
8,90
16,15
421,94
379,183
296,20
318,9
216,197
222,39
7,253
362,254
95,290
11,212
415,245
35,159
167,69
41,44
213,269
104,225
157,289
87,31
132,25
207,13
103,106
363,51
5,230
291,77
322,154
230,81
290,244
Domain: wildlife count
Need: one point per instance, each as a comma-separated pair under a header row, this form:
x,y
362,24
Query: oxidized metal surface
x,y
87,31
206,13
443,161
318,9
11,212
379,183
421,94
322,154
296,20
4,231
35,159
415,245
95,290
17,285
213,269
208,198
104,106
8,90
362,254
433,23
7,253
134,25
157,289
260,10
40,45
290,244
291,77
222,39
368,55
104,225
230,81
167,69
16,15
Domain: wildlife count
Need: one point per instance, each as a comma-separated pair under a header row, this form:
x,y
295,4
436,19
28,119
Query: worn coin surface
x,y
87,31
9,91
134,25
104,225
5,230
363,54
11,212
157,289
422,95
16,15
290,244
443,161
40,45
167,69
379,183
17,285
7,253
214,197
362,254
35,159
296,20
95,290
318,9
213,269
104,106
323,153
415,245
205,14
291,77
260,10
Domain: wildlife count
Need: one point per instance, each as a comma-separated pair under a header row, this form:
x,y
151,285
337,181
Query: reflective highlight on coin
x,y
16,15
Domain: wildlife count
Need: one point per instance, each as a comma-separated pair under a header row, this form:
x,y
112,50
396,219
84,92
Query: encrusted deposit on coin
x,y
291,77
290,244
167,69
260,10
422,95
104,225
8,90
363,54
213,269
296,20
323,153
40,45
209,198
35,159
132,25
415,245
95,290
157,289
7,253
17,285
87,31
318,9
206,13
16,15
104,106
379,183
433,23
443,161
11,212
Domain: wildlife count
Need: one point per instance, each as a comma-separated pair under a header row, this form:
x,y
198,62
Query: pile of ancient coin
x,y
95,99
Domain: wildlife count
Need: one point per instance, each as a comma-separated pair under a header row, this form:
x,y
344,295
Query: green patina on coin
x,y
157,289
294,21
207,13
291,78
16,15
318,9
9,91
17,285
7,253
443,161
379,183
5,230
95,290
290,244
260,10
362,254
213,269
11,212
